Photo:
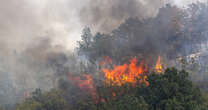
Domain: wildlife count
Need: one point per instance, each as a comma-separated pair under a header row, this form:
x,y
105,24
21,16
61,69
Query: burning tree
x,y
121,69
169,91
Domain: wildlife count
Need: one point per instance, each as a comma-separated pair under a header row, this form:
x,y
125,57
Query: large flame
x,y
126,73
119,75
158,66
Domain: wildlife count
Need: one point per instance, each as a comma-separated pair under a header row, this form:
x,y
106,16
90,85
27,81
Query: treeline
x,y
171,90
173,32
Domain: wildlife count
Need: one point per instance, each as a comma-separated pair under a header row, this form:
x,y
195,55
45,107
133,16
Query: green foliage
x,y
131,103
85,106
52,100
171,32
126,102
171,91
30,104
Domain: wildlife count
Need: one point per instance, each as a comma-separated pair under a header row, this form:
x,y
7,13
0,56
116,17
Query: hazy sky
x,y
184,2
24,22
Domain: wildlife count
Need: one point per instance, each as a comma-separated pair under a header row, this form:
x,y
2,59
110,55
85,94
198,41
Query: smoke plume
x,y
37,37
109,14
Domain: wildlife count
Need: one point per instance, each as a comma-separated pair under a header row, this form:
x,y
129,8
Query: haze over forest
x,y
42,41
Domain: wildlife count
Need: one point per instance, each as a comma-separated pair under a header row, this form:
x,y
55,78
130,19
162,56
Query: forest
x,y
156,63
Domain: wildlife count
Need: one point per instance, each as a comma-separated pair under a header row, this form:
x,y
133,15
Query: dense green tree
x,y
128,102
171,91
52,100
172,33
30,104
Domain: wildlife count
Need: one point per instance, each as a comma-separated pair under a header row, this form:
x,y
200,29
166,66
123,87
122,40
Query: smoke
x,y
105,15
22,21
184,3
37,37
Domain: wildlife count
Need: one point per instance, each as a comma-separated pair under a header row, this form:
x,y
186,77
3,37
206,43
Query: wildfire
x,y
119,75
126,73
158,66
85,84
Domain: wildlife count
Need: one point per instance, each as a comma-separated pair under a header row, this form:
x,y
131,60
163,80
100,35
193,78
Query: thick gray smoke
x,y
105,15
34,67
36,35
35,38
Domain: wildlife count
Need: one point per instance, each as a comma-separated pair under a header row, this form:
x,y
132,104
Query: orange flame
x,y
85,84
118,75
158,66
126,73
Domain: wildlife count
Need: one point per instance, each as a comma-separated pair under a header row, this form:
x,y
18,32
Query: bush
x,y
52,100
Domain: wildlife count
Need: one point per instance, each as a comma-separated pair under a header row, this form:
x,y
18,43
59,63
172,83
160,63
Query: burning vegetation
x,y
121,70
85,83
119,75
158,66
127,73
